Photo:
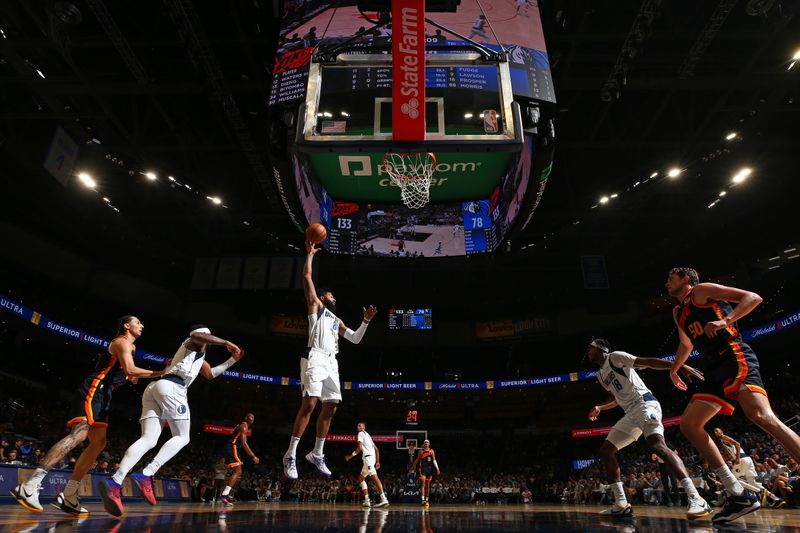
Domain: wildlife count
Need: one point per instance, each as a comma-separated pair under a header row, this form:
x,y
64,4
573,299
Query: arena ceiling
x,y
180,89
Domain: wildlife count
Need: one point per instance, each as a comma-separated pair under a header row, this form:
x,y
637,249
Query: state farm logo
x,y
411,108
410,64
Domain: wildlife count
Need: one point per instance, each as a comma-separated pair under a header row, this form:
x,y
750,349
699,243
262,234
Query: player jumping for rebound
x,y
372,462
90,409
618,376
426,459
165,400
232,455
707,321
319,369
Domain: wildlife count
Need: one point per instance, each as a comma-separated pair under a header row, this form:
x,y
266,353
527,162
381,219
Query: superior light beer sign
x,y
408,70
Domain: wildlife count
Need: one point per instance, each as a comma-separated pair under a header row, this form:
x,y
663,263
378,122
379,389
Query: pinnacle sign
x,y
408,70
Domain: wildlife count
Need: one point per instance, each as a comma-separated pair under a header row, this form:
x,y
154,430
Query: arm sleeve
x,y
356,336
622,359
220,368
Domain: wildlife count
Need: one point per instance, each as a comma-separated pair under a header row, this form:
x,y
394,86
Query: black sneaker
x,y
616,512
778,503
736,507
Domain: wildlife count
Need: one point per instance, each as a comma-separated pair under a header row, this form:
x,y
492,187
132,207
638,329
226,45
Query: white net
x,y
413,173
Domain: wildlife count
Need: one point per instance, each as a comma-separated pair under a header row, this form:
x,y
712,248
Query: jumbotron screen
x,y
307,24
435,230
410,319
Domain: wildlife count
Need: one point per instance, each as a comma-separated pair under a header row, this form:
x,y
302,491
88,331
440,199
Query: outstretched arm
x,y
123,350
308,283
356,336
200,340
746,301
688,372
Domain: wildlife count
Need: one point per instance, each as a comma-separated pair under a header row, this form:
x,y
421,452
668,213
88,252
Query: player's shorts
x,y
91,403
232,457
166,400
643,420
726,374
369,466
319,376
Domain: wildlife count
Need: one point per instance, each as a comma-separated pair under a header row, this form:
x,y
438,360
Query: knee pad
x,y
364,485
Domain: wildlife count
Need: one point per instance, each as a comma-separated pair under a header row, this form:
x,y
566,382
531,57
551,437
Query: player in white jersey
x,y
372,462
319,369
618,376
744,469
166,400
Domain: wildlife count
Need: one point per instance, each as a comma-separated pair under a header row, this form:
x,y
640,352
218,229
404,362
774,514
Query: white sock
x,y
72,488
292,451
318,446
226,490
36,479
688,486
383,496
727,478
619,494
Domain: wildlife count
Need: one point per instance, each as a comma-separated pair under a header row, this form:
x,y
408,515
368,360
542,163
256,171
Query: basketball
x,y
316,233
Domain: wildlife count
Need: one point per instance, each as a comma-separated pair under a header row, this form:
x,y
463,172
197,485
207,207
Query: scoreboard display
x,y
410,319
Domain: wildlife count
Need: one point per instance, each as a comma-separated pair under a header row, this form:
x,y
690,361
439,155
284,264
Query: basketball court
x,y
396,518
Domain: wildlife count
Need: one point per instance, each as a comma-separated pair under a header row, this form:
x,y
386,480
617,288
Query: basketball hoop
x,y
413,173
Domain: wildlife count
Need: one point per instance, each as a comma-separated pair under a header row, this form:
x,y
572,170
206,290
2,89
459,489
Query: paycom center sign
x,y
456,176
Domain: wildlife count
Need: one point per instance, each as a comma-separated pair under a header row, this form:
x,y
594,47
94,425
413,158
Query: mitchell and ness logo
x,y
361,165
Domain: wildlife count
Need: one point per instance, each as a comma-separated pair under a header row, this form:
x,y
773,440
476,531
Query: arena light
x,y
215,199
604,200
87,180
467,115
722,193
731,136
654,175
742,175
796,56
170,178
151,176
106,200
345,114
674,172
614,195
